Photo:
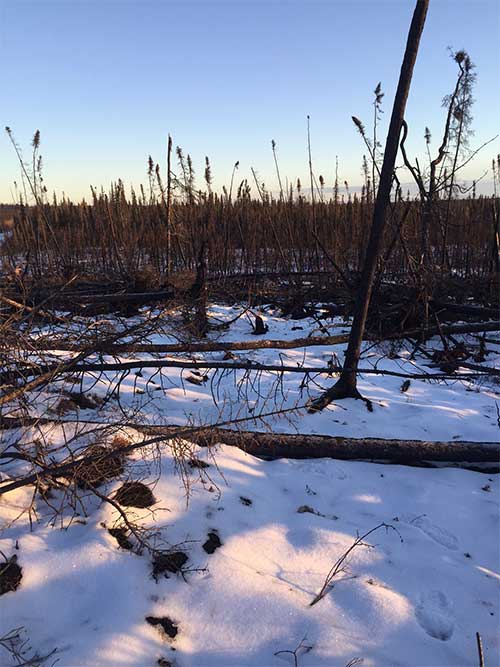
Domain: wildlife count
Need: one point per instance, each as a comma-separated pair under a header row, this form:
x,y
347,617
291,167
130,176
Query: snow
x,y
428,410
415,595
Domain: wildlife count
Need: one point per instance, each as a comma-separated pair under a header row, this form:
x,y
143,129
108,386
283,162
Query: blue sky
x,y
105,81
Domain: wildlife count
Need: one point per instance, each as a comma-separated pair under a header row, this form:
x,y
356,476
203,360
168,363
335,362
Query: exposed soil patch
x,y
448,360
306,509
245,501
63,406
103,467
74,400
172,562
194,379
212,543
165,624
296,309
85,401
197,463
135,494
120,535
10,575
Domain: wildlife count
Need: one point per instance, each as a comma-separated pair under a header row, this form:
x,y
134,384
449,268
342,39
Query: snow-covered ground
x,y
415,597
428,410
411,596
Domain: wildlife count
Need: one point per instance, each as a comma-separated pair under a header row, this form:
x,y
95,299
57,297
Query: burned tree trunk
x,y
346,387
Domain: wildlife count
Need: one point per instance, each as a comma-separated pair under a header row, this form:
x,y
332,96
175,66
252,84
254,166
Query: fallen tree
x,y
465,309
208,346
269,445
215,346
305,446
46,374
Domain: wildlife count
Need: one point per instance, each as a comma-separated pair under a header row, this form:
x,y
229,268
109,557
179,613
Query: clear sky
x,y
105,81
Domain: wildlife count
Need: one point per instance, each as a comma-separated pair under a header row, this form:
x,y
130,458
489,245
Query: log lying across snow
x,y
21,307
267,444
208,346
305,446
484,457
261,344
270,445
466,309
447,329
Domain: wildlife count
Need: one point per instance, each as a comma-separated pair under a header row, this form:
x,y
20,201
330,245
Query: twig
x,y
19,649
301,646
339,565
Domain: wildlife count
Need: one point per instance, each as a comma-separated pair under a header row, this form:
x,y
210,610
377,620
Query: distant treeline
x,y
129,237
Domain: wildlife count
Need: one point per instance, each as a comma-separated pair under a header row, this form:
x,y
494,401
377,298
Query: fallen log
x,y
305,446
476,327
487,370
484,457
44,374
463,309
86,302
43,314
213,346
128,297
266,444
114,297
208,346
59,370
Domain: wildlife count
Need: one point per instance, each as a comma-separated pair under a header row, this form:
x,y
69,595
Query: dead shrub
x,y
10,574
106,463
135,494
172,562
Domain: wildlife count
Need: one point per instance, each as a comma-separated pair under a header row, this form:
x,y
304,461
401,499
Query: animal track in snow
x,y
436,533
435,616
311,467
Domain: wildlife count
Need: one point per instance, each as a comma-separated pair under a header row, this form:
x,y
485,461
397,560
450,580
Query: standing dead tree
x,y
439,180
346,386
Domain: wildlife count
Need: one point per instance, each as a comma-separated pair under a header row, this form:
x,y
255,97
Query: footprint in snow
x,y
436,533
435,615
314,468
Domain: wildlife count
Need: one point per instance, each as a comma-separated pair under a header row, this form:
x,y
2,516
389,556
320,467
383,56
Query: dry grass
x,y
120,238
